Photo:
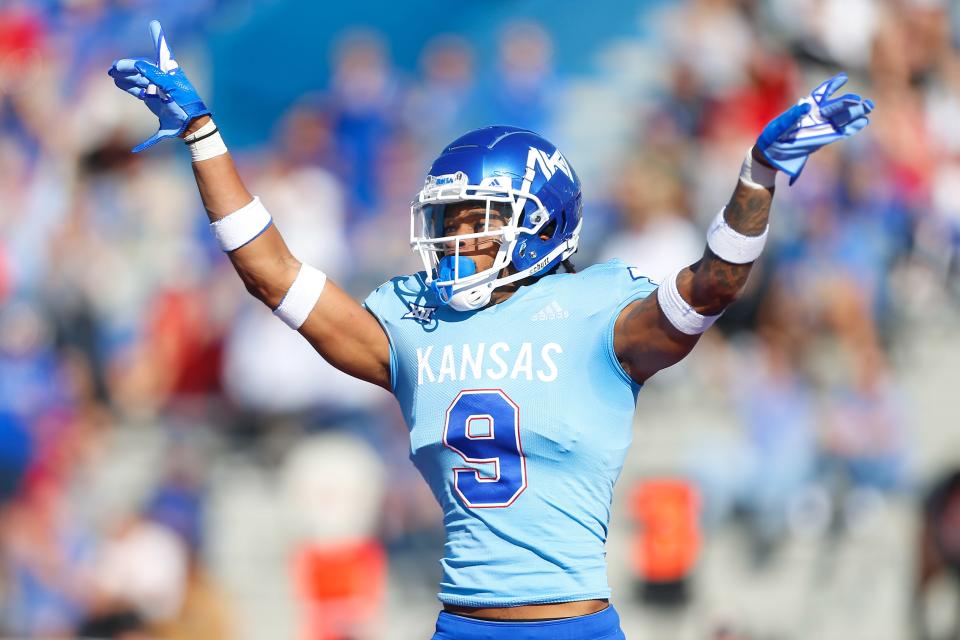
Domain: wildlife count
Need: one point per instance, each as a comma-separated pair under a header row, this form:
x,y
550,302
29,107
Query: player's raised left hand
x,y
817,120
163,87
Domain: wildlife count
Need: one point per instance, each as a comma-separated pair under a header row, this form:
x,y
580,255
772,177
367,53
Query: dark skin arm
x,y
644,340
342,331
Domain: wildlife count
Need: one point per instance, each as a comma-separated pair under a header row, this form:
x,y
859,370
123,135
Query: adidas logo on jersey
x,y
552,311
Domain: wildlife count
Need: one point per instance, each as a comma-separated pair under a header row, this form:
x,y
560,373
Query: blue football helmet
x,y
525,184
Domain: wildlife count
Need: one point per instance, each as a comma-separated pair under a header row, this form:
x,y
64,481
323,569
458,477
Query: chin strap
x,y
568,246
478,295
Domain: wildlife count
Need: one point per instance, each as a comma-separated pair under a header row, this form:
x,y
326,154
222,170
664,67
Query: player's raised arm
x,y
344,333
657,332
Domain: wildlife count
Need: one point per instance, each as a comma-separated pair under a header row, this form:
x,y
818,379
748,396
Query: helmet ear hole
x,y
548,231
531,214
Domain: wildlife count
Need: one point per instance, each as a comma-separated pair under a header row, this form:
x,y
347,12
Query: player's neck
x,y
502,294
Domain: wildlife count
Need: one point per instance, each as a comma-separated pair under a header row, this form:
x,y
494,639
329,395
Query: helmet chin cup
x,y
451,268
471,299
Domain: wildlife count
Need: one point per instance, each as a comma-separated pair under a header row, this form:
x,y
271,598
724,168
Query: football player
x,y
516,377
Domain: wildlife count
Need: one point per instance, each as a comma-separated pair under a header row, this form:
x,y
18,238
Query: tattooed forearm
x,y
749,209
711,284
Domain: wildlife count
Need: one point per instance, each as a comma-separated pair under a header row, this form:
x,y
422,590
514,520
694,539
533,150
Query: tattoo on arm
x,y
644,339
714,283
749,209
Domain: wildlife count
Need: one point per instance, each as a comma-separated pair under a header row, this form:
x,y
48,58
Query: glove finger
x,y
826,88
856,111
164,59
855,126
146,144
789,119
125,66
152,73
132,80
847,98
161,134
135,91
781,124
841,112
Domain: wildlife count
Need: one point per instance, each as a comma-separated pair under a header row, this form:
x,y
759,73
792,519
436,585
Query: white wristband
x,y
755,175
205,143
241,226
301,297
678,311
729,244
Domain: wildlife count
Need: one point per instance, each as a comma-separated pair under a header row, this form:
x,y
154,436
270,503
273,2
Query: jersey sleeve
x,y
378,303
626,284
375,301
635,286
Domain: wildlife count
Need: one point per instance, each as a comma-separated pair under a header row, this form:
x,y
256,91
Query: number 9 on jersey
x,y
483,427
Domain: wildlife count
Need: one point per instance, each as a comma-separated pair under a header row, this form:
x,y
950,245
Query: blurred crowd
x,y
118,313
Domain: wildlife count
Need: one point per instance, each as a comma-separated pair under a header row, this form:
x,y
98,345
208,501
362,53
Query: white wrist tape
x,y
678,311
241,226
301,297
205,143
755,175
729,244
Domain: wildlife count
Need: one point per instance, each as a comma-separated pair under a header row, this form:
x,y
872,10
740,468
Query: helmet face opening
x,y
441,223
522,188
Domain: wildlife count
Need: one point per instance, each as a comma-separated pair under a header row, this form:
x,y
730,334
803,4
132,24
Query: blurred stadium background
x,y
175,463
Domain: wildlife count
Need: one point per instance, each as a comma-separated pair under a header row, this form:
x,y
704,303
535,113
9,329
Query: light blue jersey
x,y
520,417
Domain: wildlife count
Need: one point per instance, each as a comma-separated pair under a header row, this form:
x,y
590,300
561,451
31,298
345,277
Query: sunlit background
x,y
176,463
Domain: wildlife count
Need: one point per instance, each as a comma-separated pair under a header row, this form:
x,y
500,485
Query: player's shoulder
x,y
613,277
404,284
615,269
401,292
602,287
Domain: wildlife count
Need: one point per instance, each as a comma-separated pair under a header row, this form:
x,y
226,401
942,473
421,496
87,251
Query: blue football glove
x,y
163,86
789,139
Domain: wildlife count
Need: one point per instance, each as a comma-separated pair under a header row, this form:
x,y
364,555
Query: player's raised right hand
x,y
163,87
